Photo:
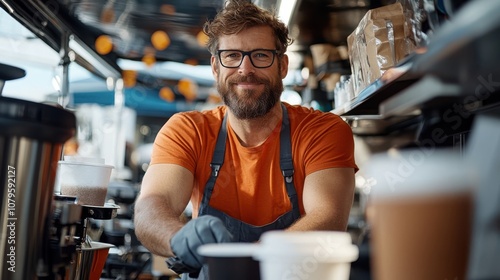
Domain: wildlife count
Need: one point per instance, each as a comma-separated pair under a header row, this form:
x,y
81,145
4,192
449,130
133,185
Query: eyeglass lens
x,y
259,58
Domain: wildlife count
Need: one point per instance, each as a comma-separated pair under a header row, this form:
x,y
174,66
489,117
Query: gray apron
x,y
241,231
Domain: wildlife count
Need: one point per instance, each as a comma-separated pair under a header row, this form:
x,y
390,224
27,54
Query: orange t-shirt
x,y
250,186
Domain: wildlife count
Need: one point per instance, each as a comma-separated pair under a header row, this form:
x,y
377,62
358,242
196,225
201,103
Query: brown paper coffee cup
x,y
421,215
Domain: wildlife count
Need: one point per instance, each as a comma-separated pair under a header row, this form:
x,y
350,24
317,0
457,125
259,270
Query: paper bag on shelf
x,y
380,41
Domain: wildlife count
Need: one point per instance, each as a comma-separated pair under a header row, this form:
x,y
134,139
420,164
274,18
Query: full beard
x,y
249,104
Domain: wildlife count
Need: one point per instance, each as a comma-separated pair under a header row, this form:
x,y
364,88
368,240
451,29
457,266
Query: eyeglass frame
x,y
247,53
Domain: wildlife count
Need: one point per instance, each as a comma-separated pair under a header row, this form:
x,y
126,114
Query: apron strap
x,y
215,165
286,163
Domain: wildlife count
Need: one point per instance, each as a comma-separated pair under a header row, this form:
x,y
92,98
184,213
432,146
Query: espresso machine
x,y
42,236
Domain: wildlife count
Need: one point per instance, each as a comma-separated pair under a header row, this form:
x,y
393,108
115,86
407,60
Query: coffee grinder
x,y
41,234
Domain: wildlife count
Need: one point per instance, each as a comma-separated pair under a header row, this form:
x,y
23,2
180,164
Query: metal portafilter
x,y
70,252
91,255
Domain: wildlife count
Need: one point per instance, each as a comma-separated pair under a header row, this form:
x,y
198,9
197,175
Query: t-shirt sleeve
x,y
331,146
175,143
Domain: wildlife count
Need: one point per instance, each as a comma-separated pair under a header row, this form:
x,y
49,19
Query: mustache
x,y
247,79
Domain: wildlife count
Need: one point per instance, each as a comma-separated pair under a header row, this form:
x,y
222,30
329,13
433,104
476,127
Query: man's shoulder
x,y
201,116
308,114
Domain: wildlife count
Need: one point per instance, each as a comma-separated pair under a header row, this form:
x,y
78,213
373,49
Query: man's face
x,y
250,92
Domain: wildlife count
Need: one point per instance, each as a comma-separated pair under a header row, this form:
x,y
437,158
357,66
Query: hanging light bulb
x,y
167,9
188,88
167,94
103,44
191,61
160,40
129,78
202,38
149,59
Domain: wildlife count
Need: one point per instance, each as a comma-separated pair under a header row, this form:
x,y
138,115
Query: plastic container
x,y
228,261
85,178
306,255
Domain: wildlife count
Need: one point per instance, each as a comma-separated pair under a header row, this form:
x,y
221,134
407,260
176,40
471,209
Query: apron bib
x,y
241,231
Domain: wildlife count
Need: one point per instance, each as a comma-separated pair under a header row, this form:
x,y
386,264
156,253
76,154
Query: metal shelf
x,y
428,92
368,101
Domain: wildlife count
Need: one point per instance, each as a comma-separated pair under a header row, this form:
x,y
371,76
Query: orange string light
x,y
202,38
167,9
187,88
129,78
191,61
167,94
149,59
103,44
160,40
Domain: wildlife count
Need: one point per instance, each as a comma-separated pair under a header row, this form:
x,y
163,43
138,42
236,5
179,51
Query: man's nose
x,y
246,66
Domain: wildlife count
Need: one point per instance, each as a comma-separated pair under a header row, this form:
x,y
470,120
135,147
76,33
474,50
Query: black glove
x,y
177,266
202,230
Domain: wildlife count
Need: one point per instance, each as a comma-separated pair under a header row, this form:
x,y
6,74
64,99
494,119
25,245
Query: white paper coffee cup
x,y
306,255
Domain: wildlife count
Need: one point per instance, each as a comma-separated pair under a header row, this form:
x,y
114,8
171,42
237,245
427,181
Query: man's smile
x,y
247,85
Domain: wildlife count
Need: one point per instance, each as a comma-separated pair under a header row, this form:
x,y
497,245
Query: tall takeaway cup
x,y
420,214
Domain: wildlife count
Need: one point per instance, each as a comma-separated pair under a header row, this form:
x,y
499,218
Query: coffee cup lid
x,y
418,172
81,159
90,161
228,249
323,246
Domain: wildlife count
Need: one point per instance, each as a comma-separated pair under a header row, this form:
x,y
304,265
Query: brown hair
x,y
238,15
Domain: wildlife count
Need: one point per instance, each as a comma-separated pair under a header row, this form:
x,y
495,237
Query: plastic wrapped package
x,y
426,16
380,41
357,60
422,19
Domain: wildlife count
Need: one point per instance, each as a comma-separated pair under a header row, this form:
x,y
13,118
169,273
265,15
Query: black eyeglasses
x,y
260,58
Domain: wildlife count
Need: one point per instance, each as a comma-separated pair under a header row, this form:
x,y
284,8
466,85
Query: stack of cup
x,y
85,178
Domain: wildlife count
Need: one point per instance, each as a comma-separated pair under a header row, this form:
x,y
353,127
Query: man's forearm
x,y
320,219
155,225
